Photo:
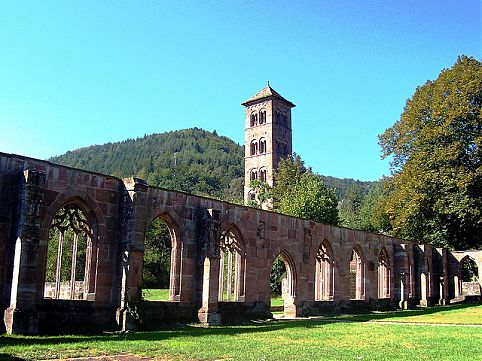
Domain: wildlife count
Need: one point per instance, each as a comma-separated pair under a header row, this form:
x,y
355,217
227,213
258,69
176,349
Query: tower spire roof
x,y
267,92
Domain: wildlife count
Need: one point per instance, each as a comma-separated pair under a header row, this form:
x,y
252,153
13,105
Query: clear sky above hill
x,y
78,73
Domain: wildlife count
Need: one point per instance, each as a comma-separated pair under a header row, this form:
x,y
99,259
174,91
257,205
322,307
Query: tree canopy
x,y
300,192
435,147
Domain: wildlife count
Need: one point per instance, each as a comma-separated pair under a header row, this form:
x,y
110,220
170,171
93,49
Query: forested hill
x,y
190,160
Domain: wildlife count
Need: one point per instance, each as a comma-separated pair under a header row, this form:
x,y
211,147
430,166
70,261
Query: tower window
x,y
262,116
253,175
254,147
262,175
254,119
262,146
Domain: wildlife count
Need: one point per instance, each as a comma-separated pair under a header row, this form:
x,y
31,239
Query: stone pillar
x,y
403,291
21,316
444,292
210,236
132,246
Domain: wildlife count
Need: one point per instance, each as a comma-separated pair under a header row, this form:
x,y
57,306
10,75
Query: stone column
x,y
210,236
445,278
132,246
403,304
21,316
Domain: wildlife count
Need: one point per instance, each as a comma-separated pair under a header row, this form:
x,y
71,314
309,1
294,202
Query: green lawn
x,y
276,301
313,339
155,294
456,314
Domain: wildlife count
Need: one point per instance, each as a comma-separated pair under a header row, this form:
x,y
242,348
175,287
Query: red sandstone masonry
x,y
264,234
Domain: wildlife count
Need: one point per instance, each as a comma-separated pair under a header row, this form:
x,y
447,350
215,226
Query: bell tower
x,y
267,137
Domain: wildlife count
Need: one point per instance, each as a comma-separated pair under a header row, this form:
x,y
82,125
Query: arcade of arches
x,y
80,246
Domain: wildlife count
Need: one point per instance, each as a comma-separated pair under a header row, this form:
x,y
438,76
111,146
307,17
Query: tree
x,y
436,164
310,198
349,207
287,174
372,216
157,255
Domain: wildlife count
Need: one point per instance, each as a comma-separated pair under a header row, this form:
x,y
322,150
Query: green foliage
x,y
310,198
278,272
469,270
372,216
301,193
191,160
349,207
157,255
287,174
344,185
436,145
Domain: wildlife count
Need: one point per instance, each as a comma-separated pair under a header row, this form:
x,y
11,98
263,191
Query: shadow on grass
x,y
5,357
197,330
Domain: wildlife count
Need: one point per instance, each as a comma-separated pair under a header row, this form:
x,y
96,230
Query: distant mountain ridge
x,y
191,160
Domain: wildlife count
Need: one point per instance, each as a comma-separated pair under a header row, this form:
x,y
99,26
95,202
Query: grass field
x,y
155,294
312,339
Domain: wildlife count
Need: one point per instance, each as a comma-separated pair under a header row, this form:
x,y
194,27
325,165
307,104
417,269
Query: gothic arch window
x,y
252,196
253,147
262,116
325,271
357,274
70,264
383,274
263,175
254,119
253,174
161,260
232,266
262,146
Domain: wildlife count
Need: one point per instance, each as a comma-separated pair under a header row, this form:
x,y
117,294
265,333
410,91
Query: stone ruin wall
x,y
31,191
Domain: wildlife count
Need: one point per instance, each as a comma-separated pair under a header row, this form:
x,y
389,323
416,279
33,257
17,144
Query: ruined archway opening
x,y
383,275
324,275
469,276
160,276
282,287
70,262
357,275
231,267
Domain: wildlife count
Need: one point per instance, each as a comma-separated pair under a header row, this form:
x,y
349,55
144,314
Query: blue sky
x,y
78,73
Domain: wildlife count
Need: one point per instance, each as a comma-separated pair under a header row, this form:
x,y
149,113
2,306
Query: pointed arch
x,y
70,261
357,274
174,248
324,274
383,274
232,272
290,271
